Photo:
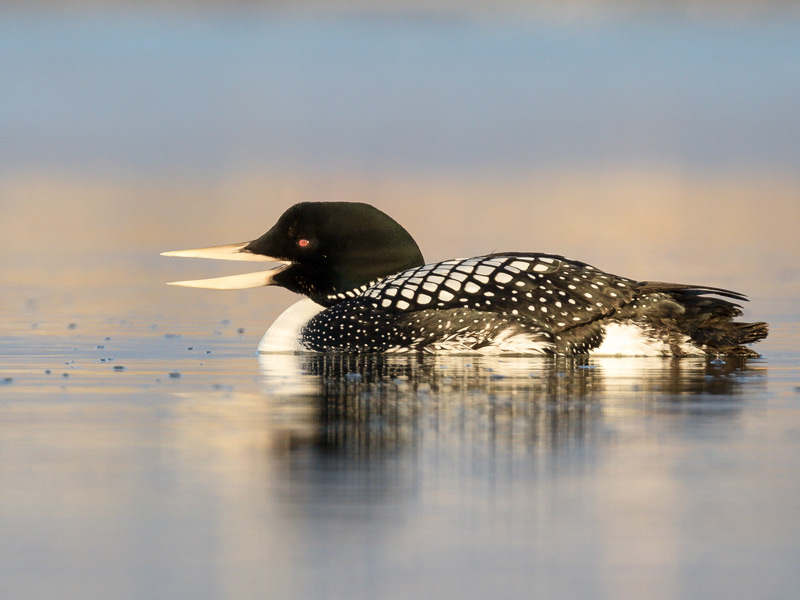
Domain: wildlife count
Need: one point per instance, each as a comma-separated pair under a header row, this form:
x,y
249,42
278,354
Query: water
x,y
146,451
142,459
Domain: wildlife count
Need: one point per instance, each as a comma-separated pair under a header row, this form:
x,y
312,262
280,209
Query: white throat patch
x,y
284,334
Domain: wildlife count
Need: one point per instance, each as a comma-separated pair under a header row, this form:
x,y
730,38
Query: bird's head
x,y
326,249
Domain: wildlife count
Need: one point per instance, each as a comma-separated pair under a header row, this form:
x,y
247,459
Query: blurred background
x,y
658,140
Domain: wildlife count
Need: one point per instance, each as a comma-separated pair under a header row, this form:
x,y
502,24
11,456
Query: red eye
x,y
303,243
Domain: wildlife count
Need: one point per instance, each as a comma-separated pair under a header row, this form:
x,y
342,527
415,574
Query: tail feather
x,y
707,317
691,290
727,340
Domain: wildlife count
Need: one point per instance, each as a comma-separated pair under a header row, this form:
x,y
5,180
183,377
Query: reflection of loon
x,y
356,403
370,290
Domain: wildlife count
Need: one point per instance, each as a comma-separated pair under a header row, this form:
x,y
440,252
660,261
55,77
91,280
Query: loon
x,y
368,289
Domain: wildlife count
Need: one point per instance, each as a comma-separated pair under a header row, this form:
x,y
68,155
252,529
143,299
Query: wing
x,y
551,292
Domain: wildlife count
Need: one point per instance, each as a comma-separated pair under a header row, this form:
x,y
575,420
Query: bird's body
x,y
370,291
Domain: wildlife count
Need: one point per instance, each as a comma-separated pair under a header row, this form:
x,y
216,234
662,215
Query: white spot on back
x,y
471,288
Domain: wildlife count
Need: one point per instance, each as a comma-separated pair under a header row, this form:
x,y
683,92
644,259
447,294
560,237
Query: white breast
x,y
627,339
284,334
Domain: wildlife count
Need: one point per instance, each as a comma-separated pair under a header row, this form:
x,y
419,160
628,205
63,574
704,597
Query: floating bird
x,y
368,289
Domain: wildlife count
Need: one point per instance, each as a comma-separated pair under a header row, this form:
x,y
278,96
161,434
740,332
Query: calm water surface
x,y
138,462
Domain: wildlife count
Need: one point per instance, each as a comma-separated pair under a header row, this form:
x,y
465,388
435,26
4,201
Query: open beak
x,y
231,282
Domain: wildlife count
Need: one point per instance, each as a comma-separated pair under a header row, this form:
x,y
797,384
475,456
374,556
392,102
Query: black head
x,y
336,247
